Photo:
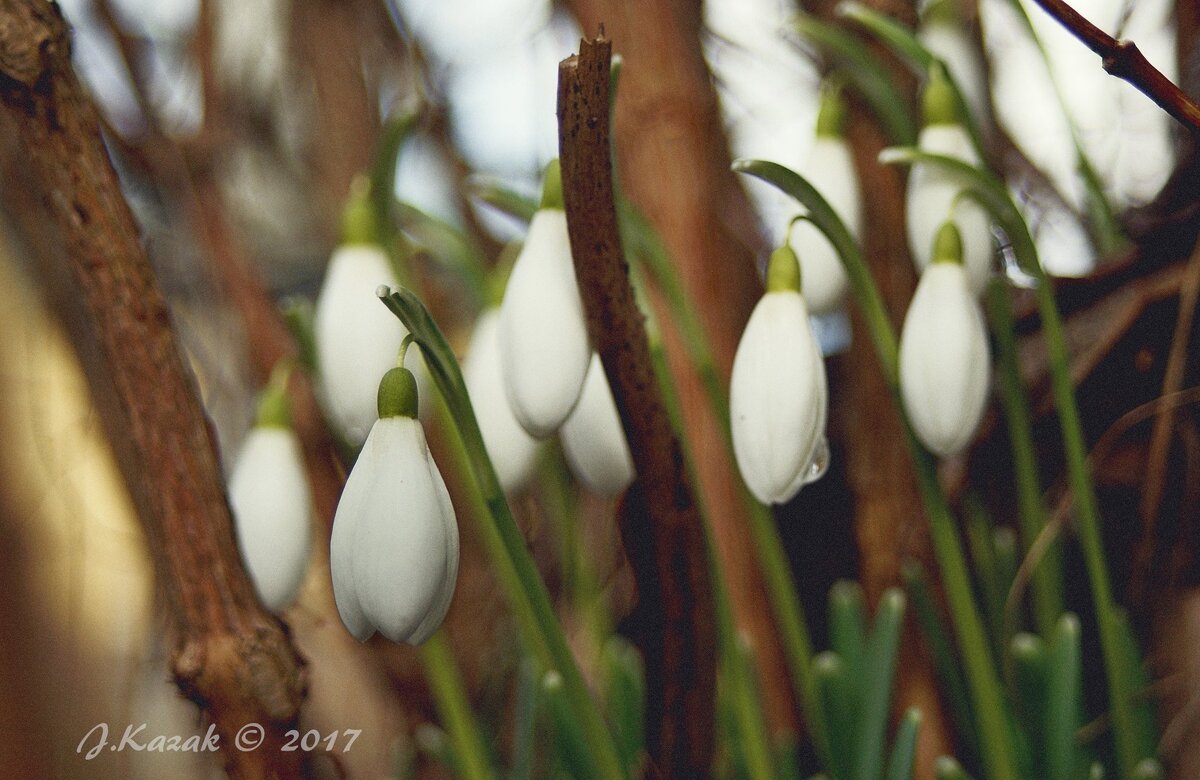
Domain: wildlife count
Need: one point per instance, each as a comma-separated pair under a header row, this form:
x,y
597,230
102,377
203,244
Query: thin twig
x,y
1124,60
660,522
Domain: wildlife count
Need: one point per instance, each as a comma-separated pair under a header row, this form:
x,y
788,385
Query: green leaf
x,y
904,747
837,693
626,698
1064,680
498,195
946,768
876,684
1028,654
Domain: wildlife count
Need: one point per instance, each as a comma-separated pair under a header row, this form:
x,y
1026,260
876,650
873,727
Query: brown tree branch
x,y
230,656
1124,60
660,525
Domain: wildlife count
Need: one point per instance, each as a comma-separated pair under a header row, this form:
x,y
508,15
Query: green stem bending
x,y
982,677
989,192
515,569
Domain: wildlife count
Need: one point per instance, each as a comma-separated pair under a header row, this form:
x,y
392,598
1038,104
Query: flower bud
x,y
543,336
593,438
513,451
393,552
271,505
945,364
777,395
934,195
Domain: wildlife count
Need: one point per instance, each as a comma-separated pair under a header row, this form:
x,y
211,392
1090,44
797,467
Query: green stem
x,y
777,574
982,676
1031,512
515,569
455,710
992,194
1087,516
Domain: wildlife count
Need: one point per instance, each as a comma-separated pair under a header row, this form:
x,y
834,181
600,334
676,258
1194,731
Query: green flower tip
x,y
947,244
359,225
398,394
552,192
938,104
274,409
783,271
831,117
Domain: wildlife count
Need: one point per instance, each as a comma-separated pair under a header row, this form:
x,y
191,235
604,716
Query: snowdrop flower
x,y
271,504
356,338
593,438
933,196
544,347
777,394
830,168
512,450
393,553
945,365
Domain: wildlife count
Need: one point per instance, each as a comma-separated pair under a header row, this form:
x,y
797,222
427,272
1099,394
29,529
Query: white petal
x,y
272,513
930,196
543,336
394,549
512,450
357,338
945,368
594,440
830,168
778,398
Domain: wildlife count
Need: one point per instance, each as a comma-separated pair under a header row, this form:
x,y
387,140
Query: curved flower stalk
x,y
593,439
933,196
271,502
945,365
356,340
778,397
544,346
830,167
393,553
512,450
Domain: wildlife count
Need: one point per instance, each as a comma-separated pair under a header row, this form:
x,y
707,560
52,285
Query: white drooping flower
x,y
393,554
777,394
513,451
830,168
594,440
945,363
934,195
272,506
544,345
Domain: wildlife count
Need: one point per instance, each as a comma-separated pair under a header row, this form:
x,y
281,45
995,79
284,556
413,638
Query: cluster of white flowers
x,y
551,377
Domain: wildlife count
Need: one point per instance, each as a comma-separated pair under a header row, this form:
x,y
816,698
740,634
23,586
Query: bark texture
x,y
229,656
660,522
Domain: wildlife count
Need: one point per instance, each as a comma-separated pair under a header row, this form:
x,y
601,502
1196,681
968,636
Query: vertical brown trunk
x,y
230,656
673,158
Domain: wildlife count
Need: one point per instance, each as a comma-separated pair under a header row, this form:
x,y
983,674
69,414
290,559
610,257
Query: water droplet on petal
x,y
820,461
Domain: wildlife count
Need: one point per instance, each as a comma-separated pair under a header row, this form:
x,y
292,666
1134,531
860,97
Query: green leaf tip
x,y
783,271
398,394
939,105
552,191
